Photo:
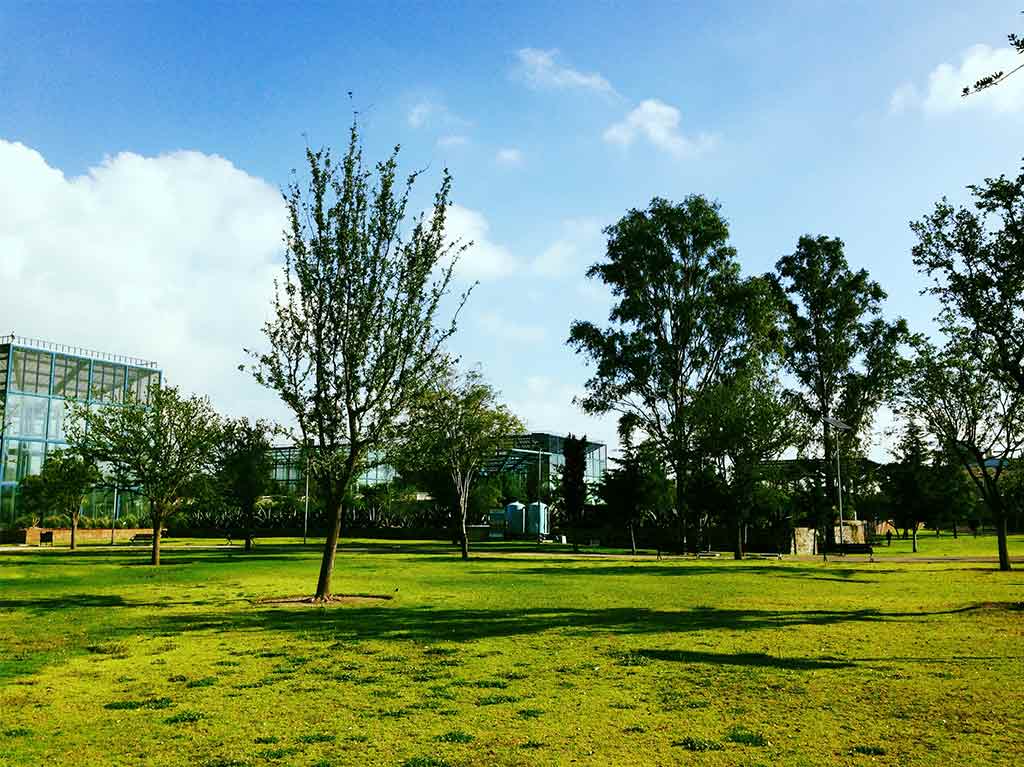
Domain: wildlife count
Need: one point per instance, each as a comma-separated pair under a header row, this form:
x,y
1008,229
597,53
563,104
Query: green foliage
x,y
244,469
844,356
975,413
161,447
684,316
354,338
573,485
453,428
60,487
975,258
637,491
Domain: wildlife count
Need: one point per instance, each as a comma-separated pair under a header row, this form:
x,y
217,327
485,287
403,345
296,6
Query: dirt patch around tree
x,y
336,600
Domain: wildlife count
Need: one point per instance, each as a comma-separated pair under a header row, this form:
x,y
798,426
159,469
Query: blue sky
x,y
168,120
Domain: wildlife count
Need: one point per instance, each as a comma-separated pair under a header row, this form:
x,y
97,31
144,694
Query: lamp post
x,y
841,427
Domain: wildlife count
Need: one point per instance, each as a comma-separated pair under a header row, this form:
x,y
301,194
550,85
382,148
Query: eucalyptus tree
x,y
975,259
353,336
456,426
976,415
842,353
161,447
683,316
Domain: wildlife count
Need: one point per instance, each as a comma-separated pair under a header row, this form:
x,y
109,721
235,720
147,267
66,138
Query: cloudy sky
x,y
143,148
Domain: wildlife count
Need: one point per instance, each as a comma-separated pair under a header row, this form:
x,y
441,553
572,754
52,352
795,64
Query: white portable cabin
x,y
537,522
515,518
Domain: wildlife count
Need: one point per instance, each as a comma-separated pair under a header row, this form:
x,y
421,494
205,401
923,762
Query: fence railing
x,y
76,351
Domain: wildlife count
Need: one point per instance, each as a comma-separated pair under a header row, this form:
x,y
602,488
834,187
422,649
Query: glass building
x,y
543,454
38,381
524,454
289,471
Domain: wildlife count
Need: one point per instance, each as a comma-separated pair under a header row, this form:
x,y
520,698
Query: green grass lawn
x,y
508,659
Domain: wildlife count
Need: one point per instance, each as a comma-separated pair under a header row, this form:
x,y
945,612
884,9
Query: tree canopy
x,y
355,337
160,447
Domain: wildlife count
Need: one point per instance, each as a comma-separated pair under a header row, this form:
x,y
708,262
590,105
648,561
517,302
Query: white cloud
x,y
137,257
506,329
946,83
539,69
509,157
545,404
419,114
447,142
658,122
580,245
430,112
485,259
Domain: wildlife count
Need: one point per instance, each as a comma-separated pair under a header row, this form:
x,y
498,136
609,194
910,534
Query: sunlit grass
x,y
508,659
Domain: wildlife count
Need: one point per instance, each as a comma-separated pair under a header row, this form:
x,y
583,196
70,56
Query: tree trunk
x,y
463,533
1004,554
738,552
956,523
689,539
74,530
248,529
323,583
158,525
632,539
914,547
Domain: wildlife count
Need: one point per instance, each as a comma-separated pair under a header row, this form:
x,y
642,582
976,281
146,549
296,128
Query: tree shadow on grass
x,y
428,625
864,575
760,660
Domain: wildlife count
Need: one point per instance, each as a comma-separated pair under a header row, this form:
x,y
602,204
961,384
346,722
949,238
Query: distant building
x,y
523,454
38,380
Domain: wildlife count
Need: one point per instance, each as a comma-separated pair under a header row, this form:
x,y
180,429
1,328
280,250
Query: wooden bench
x,y
146,537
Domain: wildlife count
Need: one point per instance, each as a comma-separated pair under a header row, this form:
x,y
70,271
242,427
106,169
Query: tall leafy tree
x,y
354,335
245,467
976,415
457,425
161,447
683,315
63,483
573,484
975,258
842,353
746,420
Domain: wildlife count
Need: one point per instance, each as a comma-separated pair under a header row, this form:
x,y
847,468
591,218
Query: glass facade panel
x,y
139,381
25,416
58,413
4,352
30,371
21,459
107,382
70,377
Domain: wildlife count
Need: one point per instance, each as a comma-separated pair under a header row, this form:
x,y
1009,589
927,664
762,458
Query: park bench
x,y
46,537
146,537
852,548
